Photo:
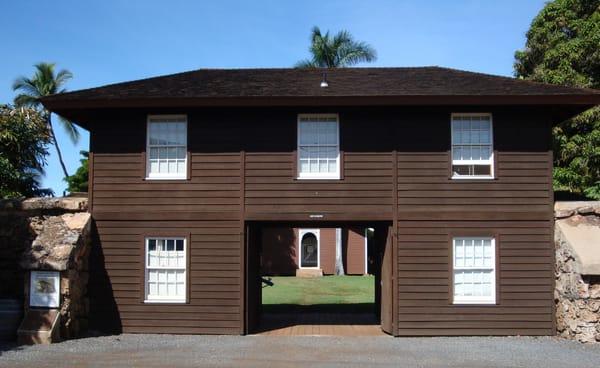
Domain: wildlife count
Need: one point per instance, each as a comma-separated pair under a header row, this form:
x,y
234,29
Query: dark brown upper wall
x,y
405,129
368,136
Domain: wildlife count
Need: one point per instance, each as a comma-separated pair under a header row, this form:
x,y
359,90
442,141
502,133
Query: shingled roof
x,y
275,86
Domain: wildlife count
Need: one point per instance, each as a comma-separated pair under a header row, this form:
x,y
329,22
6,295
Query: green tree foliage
x,y
336,51
78,182
563,47
46,81
24,139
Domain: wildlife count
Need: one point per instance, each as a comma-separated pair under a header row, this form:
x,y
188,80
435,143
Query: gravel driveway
x,y
271,351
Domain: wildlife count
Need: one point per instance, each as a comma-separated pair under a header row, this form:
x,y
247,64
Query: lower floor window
x,y
165,269
474,271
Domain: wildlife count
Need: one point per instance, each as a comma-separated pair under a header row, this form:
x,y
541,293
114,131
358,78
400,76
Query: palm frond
x,y
62,77
340,50
305,64
46,78
315,33
25,100
342,38
70,128
26,85
356,52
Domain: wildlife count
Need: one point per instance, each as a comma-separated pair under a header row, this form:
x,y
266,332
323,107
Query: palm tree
x,y
46,82
336,51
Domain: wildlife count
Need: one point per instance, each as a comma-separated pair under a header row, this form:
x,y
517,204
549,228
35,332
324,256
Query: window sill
x,y
331,178
475,302
149,178
164,301
472,178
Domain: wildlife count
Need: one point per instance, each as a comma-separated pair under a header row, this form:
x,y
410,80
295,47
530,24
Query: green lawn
x,y
337,293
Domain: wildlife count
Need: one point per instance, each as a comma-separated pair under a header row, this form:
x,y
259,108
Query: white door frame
x,y
366,251
317,233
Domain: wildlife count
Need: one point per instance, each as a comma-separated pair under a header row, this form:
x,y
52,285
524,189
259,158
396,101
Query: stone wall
x,y
577,292
51,234
15,235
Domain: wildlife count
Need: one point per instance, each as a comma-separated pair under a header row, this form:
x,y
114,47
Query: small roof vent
x,y
324,83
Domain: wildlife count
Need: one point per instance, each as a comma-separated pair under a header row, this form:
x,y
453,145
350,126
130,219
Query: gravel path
x,y
267,351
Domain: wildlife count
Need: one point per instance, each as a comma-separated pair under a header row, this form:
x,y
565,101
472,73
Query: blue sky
x,y
110,41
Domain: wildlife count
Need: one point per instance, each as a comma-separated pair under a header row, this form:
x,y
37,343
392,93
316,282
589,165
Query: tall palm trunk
x,y
60,158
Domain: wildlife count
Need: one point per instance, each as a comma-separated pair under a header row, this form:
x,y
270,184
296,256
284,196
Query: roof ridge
x,y
290,82
145,79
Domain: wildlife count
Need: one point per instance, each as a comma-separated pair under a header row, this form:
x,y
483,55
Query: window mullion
x,y
472,145
163,282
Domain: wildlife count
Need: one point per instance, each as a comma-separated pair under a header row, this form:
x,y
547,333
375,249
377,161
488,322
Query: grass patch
x,y
334,293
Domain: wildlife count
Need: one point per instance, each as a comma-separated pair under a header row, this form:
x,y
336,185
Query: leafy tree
x,y
24,139
46,82
563,47
78,182
336,51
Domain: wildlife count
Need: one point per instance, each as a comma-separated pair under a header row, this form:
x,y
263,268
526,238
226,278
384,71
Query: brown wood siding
x,y
271,186
243,167
524,270
214,280
355,251
278,251
327,249
515,207
127,208
214,185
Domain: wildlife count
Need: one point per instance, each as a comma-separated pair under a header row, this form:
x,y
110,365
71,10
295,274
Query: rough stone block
x,y
39,327
585,210
594,291
560,214
61,203
589,316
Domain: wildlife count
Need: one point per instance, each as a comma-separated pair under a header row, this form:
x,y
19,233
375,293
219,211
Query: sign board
x,y
44,289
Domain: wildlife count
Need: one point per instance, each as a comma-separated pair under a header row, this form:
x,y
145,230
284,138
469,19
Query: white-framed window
x,y
318,146
474,270
472,146
166,269
166,147
310,248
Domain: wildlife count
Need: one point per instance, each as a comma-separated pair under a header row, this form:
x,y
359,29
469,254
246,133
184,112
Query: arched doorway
x,y
309,248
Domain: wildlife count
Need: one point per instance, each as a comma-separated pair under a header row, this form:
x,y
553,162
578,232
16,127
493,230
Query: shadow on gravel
x,y
6,346
281,316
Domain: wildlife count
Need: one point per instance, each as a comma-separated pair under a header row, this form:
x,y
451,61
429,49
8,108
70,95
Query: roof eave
x,y
54,104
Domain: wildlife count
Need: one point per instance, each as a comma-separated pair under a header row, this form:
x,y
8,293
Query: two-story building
x,y
452,169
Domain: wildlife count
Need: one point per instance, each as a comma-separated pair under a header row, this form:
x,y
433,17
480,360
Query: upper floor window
x,y
472,148
474,265
166,149
318,146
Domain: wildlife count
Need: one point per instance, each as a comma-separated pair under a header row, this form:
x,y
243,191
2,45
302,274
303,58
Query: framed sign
x,y
44,289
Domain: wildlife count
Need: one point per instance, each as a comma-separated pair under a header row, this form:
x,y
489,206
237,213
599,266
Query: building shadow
x,y
104,316
8,346
278,251
286,316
